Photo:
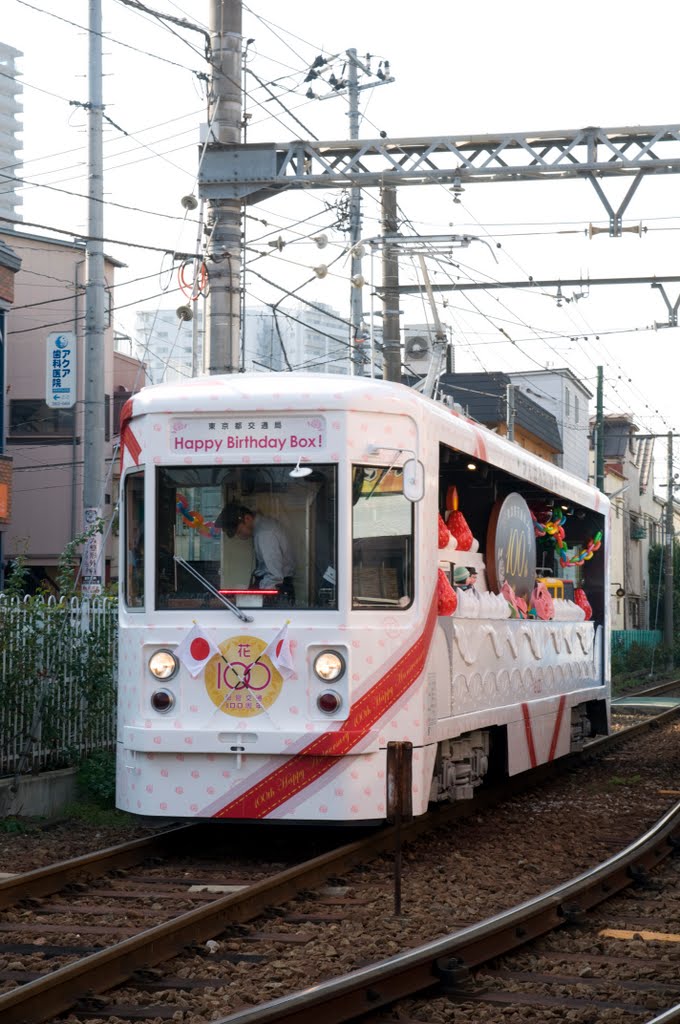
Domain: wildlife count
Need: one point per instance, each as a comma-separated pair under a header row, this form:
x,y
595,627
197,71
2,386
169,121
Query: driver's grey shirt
x,y
274,559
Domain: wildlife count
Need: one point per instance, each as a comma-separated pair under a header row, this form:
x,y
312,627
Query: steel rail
x,y
43,881
53,993
649,691
614,739
442,961
668,1016
58,991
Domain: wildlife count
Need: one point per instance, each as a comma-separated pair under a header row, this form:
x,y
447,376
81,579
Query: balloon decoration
x,y
443,534
456,522
447,602
194,519
582,601
554,530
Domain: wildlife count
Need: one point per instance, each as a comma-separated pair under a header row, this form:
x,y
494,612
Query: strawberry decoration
x,y
447,601
582,601
444,535
456,521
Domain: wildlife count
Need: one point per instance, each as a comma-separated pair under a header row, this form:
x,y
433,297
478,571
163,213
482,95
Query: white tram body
x,y
477,693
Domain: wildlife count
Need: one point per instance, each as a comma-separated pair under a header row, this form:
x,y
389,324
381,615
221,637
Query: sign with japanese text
x,y
61,377
301,435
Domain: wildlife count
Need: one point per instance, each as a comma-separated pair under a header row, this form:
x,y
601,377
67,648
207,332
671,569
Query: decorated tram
x,y
435,586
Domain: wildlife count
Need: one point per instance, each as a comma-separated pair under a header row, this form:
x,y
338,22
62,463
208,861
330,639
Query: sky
x,y
487,67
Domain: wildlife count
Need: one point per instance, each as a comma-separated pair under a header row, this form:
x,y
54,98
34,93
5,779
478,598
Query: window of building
x,y
576,408
567,403
32,417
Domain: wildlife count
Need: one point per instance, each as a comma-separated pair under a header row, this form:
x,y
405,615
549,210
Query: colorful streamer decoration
x,y
195,520
554,528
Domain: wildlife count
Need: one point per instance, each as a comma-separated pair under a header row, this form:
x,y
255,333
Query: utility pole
x,y
351,86
390,288
93,426
356,300
599,432
223,251
510,411
668,561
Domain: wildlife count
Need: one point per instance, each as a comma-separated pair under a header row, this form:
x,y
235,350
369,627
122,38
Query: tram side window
x,y
382,539
134,541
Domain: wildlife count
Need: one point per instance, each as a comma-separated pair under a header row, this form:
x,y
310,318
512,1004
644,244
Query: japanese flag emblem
x,y
195,651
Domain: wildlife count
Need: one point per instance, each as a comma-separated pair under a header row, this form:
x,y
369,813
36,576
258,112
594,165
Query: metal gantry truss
x,y
255,172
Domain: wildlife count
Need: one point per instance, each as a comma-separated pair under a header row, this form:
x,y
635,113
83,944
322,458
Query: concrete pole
x,y
668,561
95,291
223,255
390,288
356,299
599,432
510,411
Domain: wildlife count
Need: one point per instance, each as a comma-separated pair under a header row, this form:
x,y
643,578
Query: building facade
x,y
46,442
10,126
561,393
484,397
166,344
9,266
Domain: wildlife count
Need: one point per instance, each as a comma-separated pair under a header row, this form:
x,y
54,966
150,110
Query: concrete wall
x,y
38,796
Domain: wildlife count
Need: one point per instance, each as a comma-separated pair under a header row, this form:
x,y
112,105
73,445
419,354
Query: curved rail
x,y
370,988
49,995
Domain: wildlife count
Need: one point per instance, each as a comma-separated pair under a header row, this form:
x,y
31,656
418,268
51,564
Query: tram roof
x,y
288,392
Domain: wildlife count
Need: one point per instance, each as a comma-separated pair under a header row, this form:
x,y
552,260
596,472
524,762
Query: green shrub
x,y
97,777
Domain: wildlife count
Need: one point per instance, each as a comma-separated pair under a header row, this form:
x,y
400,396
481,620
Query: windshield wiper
x,y
212,590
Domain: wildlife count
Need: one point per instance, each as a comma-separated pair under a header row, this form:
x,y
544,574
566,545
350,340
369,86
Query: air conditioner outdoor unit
x,y
417,344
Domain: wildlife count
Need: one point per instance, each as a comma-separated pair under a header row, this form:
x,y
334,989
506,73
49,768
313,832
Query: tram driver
x,y
274,567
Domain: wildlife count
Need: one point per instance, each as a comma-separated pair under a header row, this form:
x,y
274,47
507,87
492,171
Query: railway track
x,y
472,966
56,948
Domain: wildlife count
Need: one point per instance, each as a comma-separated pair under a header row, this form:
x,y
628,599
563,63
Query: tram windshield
x,y
262,536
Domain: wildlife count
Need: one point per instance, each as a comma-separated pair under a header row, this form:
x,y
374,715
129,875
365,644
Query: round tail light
x,y
329,702
162,700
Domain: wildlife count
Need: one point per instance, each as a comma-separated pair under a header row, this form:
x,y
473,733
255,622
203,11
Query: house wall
x,y
561,393
532,444
617,605
48,483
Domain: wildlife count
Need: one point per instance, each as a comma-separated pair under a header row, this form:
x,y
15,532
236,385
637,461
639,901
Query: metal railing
x,y
57,681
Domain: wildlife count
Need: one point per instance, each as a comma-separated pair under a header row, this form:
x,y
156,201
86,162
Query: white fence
x,y
57,681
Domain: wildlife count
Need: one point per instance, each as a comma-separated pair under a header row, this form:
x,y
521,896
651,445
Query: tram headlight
x,y
329,702
162,701
329,666
163,664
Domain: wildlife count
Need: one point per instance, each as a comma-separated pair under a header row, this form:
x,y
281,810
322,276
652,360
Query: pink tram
x,y
433,583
